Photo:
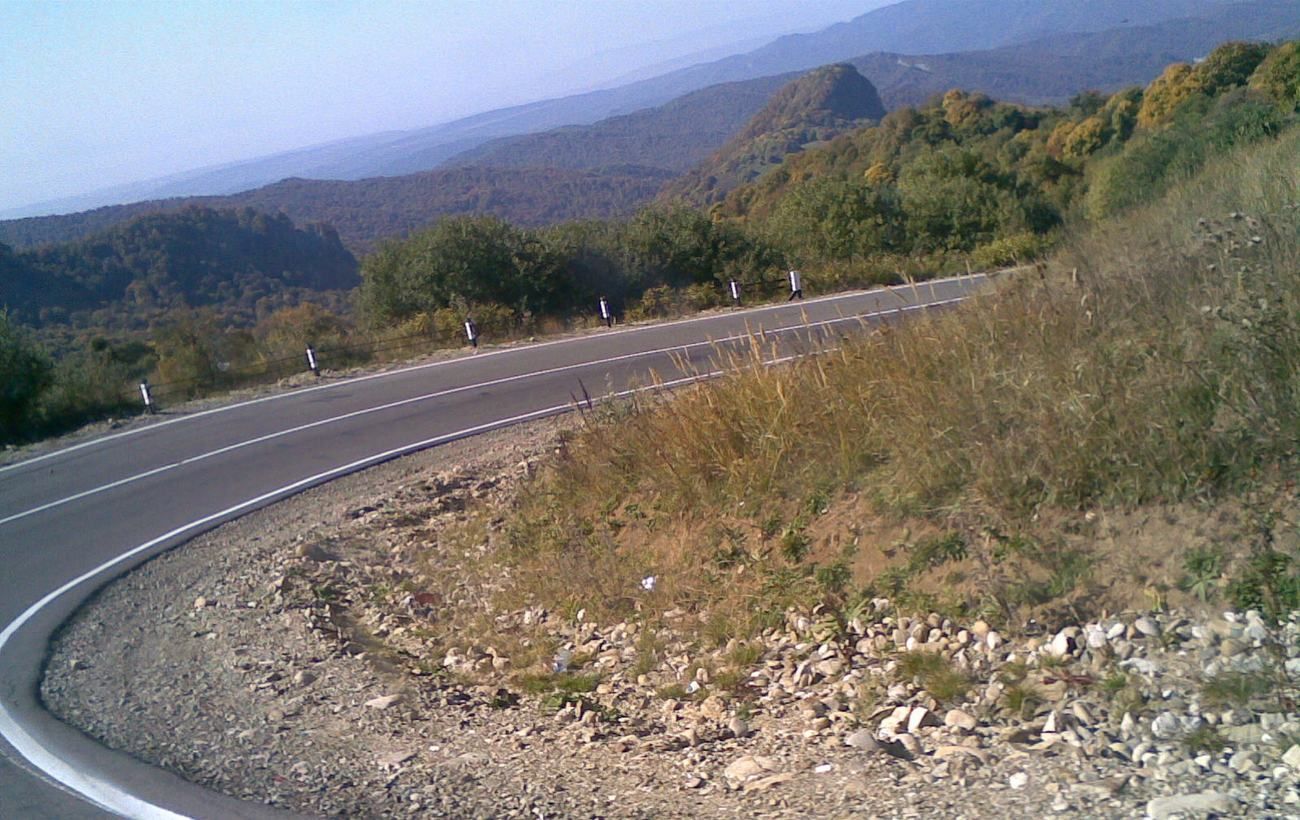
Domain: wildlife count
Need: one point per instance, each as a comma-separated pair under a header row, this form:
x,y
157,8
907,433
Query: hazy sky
x,y
101,92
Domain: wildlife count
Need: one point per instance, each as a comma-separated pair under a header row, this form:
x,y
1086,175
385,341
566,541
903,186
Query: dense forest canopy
x,y
241,260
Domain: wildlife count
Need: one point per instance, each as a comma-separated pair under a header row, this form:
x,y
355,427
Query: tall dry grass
x,y
1157,356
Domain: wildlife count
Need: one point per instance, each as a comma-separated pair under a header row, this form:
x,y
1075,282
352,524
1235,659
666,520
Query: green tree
x,y
25,373
836,219
1278,75
1176,85
461,260
955,201
1229,65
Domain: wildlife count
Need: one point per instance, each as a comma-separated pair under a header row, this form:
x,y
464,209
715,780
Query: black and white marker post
x,y
605,313
311,362
796,286
735,292
148,398
471,333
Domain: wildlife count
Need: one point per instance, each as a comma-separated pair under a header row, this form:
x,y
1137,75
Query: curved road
x,y
73,519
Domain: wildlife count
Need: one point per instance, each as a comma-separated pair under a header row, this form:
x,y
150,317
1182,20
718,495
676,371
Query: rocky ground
x,y
298,657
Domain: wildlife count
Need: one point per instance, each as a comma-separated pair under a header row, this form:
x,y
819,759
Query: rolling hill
x,y
365,211
238,259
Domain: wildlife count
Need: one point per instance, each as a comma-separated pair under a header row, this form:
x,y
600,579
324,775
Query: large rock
x,y
747,768
958,719
1194,805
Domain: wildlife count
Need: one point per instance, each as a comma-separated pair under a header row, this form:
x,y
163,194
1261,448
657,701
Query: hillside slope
x,y
810,109
673,136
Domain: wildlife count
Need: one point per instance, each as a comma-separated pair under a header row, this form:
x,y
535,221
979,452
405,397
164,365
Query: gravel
x,y
283,658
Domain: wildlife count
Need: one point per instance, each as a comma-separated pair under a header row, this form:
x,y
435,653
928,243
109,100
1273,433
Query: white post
x,y
796,285
148,399
605,314
471,333
735,291
311,361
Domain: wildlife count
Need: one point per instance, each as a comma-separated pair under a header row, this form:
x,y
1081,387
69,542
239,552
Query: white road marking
x,y
108,796
439,394
459,360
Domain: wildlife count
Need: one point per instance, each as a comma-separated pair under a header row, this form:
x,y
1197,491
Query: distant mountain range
x,y
917,27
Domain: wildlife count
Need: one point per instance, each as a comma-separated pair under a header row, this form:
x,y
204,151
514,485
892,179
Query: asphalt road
x,y
73,519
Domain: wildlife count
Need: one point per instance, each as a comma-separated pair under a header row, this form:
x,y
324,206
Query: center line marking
x,y
447,392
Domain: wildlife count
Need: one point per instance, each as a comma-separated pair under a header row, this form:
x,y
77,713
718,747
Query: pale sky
x,y
94,93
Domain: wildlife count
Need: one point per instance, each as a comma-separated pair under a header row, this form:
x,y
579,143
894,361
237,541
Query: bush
x,y
1016,249
25,373
95,384
1278,76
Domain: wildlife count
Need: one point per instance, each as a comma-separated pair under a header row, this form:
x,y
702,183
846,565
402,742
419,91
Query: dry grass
x,y
1157,357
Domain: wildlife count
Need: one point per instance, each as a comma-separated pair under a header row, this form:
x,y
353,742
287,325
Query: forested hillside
x,y
367,210
1048,70
813,108
243,261
961,180
968,174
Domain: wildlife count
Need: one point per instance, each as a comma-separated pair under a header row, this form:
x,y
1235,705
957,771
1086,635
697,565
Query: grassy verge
x,y
1156,358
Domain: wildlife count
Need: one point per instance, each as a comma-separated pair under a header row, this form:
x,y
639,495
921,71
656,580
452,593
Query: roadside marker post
x,y
735,292
471,332
605,313
148,399
796,286
311,362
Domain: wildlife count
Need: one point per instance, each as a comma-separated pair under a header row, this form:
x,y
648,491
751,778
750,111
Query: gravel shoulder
x,y
279,659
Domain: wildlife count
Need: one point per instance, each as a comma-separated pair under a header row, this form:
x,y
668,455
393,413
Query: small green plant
x,y
1069,569
819,502
795,544
1123,693
1114,683
1236,689
745,654
730,680
1201,570
770,525
1266,582
673,691
937,551
1022,699
1204,738
563,683
833,579
934,673
1013,672
1051,662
